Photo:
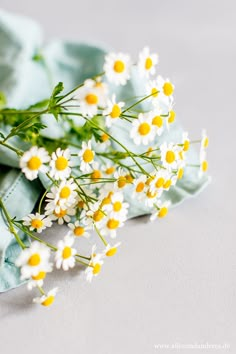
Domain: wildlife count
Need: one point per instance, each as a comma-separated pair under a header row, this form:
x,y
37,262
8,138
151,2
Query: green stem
x,y
101,237
17,151
11,225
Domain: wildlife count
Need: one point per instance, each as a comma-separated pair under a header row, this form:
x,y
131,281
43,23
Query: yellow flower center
x,y
117,206
167,184
34,163
110,170
119,66
65,192
104,137
91,98
163,212
67,252
61,163
151,195
148,63
144,128
34,260
171,118
60,214
170,156
48,301
96,174
106,201
80,204
168,88
79,231
129,178
113,224
98,215
140,187
180,173
204,166
149,151
186,145
36,223
39,276
205,142
121,181
154,92
88,155
116,111
159,183
96,268
158,121
111,252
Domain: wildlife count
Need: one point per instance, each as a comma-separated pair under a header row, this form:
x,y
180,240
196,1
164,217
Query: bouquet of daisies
x,y
118,153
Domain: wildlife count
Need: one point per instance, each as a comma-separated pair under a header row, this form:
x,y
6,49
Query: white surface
x,y
174,280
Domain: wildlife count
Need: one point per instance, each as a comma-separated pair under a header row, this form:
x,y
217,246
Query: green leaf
x,y
3,100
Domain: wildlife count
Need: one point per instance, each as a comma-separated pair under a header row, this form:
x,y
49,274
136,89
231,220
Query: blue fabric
x,y
25,81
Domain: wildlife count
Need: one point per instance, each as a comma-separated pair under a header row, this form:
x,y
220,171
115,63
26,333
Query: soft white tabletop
x,y
174,280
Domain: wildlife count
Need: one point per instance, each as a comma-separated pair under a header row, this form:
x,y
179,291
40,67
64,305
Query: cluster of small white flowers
x,y
87,187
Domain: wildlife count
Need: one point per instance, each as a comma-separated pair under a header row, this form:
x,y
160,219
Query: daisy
x,y
161,210
151,197
111,224
165,86
139,186
185,141
157,122
46,299
117,207
60,164
203,162
33,161
109,169
142,131
61,215
120,177
62,197
36,280
95,265
159,180
94,215
111,250
86,157
65,254
78,230
117,68
152,88
88,97
205,140
96,173
170,118
113,111
170,155
147,62
37,222
33,260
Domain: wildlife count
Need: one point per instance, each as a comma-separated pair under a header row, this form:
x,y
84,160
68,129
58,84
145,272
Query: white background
x,y
174,280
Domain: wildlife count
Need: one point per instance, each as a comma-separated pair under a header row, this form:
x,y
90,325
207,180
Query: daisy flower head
x,y
60,164
161,210
102,91
89,98
96,173
165,86
205,140
33,260
86,157
95,265
111,224
157,122
77,229
111,250
46,299
37,222
95,215
109,169
61,215
65,254
170,155
203,162
36,280
64,196
113,111
159,181
152,88
139,186
142,131
121,180
151,196
170,118
117,68
185,141
33,161
117,207
147,62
